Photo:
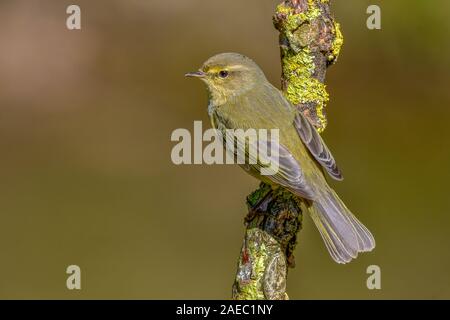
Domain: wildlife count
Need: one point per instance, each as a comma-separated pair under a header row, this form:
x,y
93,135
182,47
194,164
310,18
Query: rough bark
x,y
310,41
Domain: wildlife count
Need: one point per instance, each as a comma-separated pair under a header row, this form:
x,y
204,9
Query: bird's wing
x,y
273,161
316,146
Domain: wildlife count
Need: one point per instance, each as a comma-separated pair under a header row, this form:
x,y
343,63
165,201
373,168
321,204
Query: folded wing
x,y
316,146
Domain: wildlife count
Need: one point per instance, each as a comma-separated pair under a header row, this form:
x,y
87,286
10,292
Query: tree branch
x,y
310,41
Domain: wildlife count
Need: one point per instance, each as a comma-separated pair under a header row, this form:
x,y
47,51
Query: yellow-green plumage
x,y
240,97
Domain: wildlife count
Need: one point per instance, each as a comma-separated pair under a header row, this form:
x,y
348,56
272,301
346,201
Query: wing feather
x,y
287,172
316,146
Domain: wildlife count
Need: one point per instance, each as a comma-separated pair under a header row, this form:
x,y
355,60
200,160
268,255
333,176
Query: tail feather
x,y
344,235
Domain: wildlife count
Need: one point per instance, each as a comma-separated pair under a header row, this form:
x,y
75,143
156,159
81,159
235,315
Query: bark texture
x,y
310,41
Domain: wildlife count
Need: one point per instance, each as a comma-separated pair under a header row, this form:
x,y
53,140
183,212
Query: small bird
x,y
240,97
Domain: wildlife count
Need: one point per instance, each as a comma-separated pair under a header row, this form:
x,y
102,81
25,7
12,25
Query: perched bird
x,y
240,97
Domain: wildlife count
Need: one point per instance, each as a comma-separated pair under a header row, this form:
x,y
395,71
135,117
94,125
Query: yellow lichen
x,y
294,20
302,87
251,289
298,63
337,43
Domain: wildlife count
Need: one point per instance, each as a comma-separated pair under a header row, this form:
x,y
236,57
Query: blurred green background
x,y
86,175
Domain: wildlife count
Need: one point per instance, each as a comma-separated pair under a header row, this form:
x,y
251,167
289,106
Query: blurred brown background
x,y
86,175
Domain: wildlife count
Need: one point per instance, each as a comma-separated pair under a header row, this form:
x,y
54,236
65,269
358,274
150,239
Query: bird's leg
x,y
258,202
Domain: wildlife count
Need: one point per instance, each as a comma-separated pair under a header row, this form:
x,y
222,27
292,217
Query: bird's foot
x,y
260,207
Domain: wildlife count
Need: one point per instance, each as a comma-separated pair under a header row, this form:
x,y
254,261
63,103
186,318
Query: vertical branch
x,y
310,41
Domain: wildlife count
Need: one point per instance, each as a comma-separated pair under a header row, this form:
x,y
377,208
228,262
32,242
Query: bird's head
x,y
228,75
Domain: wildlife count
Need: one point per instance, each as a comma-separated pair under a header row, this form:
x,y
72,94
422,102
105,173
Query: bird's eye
x,y
223,74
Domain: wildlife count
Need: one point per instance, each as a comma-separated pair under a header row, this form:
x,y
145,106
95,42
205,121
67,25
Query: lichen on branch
x,y
310,40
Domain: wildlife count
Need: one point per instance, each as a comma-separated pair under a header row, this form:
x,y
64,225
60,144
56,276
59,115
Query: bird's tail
x,y
343,234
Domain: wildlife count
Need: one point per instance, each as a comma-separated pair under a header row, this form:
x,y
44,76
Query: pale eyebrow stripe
x,y
237,67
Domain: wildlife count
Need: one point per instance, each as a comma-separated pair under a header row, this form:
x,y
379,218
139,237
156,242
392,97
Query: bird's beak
x,y
196,74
